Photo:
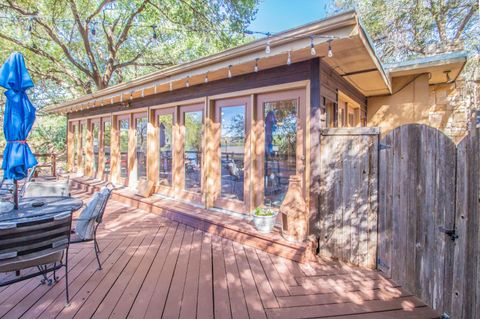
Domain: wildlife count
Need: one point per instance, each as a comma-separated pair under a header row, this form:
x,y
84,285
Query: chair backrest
x,y
27,242
105,194
42,189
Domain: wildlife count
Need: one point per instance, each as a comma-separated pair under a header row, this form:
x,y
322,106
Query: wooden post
x,y
153,157
211,160
53,159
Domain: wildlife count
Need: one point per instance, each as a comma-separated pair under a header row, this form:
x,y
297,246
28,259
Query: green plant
x,y
264,211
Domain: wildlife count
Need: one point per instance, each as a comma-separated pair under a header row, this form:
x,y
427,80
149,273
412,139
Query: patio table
x,y
28,212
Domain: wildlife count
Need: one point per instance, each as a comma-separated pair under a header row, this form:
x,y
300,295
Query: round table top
x,y
51,205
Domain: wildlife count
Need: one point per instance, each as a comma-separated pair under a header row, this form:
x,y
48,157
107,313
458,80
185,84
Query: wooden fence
x,y
348,195
428,210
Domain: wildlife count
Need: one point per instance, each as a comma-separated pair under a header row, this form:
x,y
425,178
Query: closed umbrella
x,y
18,119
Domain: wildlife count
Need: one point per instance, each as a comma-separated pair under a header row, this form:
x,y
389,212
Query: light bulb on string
x,y
230,71
206,78
330,52
312,47
267,48
187,83
170,85
289,58
256,65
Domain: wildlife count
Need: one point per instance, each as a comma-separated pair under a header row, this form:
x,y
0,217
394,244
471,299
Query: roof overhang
x,y
353,58
442,68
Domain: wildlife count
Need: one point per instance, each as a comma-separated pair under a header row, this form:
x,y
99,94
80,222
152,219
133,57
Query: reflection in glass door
x,y
283,142
83,144
123,126
96,145
165,126
193,122
141,146
75,147
232,150
107,133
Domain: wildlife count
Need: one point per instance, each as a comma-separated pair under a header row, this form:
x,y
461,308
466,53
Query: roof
x,y
443,68
354,58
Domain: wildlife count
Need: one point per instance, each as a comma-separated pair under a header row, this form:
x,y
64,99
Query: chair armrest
x,y
87,219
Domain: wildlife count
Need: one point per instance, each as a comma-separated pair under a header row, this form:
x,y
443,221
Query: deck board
x,y
154,267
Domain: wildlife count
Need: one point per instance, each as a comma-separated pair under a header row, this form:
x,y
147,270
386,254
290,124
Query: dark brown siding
x,y
279,75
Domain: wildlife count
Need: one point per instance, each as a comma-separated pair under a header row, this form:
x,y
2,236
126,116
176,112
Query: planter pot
x,y
264,224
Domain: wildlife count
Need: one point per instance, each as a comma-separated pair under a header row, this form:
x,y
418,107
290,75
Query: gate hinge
x,y
449,232
382,146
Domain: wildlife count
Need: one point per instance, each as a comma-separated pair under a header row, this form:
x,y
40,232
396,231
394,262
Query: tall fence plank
x,y
348,200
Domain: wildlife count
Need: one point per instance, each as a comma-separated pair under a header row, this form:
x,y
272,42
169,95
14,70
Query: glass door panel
x,y
232,150
123,127
107,138
96,145
193,123
165,134
83,144
141,146
75,147
280,124
282,133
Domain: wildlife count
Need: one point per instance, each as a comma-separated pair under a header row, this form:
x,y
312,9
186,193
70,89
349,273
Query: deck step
x,y
215,222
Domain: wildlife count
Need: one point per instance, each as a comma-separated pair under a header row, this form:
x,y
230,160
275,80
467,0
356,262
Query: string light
x,y
206,78
267,48
330,52
187,83
230,71
256,65
289,58
312,47
171,85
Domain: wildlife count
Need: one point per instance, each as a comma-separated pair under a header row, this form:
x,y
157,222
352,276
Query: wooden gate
x,y
348,195
466,262
429,217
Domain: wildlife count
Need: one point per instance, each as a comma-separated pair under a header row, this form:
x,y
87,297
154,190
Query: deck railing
x,y
45,160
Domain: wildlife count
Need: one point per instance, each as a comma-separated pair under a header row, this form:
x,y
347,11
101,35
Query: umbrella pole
x,y
15,195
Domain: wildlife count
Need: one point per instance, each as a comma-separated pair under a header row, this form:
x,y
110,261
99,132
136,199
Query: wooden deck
x,y
154,267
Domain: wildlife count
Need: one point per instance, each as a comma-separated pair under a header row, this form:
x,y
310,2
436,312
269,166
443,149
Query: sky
x,y
279,15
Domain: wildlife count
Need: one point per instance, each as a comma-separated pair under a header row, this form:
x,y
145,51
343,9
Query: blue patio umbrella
x,y
18,118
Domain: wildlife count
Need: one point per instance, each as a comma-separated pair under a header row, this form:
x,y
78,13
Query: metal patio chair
x,y
90,218
40,242
42,189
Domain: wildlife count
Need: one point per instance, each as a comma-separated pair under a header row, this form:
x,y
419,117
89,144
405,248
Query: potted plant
x,y
264,219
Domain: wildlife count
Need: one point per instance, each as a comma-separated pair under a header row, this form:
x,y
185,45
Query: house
x,y
226,131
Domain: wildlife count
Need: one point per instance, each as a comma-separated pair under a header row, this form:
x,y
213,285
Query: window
x,y
193,150
107,133
96,145
165,125
141,147
232,148
280,122
123,128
